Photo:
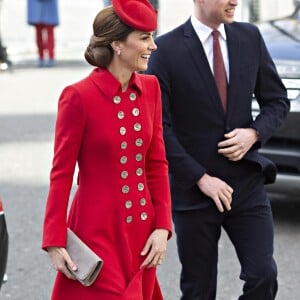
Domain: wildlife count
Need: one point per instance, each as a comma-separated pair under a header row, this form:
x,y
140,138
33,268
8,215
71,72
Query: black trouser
x,y
250,229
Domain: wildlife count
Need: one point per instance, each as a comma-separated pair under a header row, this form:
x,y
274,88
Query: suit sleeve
x,y
157,168
270,94
183,167
68,136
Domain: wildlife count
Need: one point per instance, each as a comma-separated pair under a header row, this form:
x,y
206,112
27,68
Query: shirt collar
x,y
112,86
204,31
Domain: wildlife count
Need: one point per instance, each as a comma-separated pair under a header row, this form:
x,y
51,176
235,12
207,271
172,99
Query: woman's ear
x,y
116,47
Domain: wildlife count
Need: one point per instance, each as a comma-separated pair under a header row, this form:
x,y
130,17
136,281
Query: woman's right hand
x,y
60,258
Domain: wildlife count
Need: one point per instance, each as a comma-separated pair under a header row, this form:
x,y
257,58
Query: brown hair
x,y
107,27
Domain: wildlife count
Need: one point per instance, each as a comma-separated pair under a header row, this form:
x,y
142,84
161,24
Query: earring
x,y
118,52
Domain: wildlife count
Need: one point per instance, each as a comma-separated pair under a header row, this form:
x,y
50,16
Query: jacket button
x,y
122,130
121,115
139,142
138,157
128,204
139,172
135,112
123,160
144,216
129,219
132,96
124,174
125,189
143,201
117,99
140,186
123,145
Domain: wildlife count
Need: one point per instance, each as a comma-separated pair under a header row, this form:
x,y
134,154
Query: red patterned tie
x,y
219,69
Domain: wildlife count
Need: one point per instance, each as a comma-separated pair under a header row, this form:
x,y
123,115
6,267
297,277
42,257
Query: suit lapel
x,y
198,55
234,64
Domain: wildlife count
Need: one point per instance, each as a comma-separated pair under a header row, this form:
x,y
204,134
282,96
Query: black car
x,y
282,37
3,244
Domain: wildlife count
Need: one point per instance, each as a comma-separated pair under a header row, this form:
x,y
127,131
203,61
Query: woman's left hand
x,y
155,248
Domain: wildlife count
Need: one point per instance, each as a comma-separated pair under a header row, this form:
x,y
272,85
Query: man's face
x,y
215,12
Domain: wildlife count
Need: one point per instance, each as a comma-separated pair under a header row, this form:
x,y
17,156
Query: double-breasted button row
x,y
124,131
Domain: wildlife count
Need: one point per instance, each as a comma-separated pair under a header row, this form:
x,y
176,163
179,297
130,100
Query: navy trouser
x,y
250,229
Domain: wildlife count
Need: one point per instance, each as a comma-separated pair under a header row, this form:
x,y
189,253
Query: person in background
x,y
209,68
110,124
43,15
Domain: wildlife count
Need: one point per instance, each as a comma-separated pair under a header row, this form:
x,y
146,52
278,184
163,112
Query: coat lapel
x,y
234,64
198,55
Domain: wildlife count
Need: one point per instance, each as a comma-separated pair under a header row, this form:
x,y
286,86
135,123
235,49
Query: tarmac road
x,y
27,114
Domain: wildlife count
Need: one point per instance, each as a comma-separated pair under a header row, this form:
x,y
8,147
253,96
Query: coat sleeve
x,y
183,167
157,169
68,136
271,95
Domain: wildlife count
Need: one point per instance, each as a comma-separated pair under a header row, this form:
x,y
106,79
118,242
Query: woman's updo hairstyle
x,y
107,27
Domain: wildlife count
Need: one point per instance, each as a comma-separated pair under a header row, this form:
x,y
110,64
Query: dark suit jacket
x,y
193,119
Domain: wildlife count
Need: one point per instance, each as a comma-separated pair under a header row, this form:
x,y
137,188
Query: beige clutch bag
x,y
87,261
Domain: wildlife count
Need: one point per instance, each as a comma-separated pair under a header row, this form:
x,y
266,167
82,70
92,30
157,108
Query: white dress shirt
x,y
204,34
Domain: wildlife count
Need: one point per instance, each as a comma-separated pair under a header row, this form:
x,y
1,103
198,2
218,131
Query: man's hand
x,y
218,190
237,143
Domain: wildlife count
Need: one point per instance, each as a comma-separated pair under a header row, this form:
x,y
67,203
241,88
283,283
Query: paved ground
x,y
28,101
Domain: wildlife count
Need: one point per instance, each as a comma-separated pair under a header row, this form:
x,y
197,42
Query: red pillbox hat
x,y
138,14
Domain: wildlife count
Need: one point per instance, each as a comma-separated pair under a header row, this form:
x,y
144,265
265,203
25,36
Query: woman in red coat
x,y
110,125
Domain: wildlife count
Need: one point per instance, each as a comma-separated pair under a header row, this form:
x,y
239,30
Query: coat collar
x,y
112,86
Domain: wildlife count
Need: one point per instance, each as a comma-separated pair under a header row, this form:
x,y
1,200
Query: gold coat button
x,y
123,145
135,111
139,172
125,189
128,204
132,96
144,216
139,142
123,159
129,219
121,115
124,174
122,130
143,201
137,127
138,157
140,186
117,99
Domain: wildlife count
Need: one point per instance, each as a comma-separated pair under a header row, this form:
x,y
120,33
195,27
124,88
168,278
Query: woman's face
x,y
136,50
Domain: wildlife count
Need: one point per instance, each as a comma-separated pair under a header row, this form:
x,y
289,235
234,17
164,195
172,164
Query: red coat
x,y
123,190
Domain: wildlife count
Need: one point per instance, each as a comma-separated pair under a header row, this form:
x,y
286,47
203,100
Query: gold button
x,y
144,216
143,201
124,174
138,157
129,219
128,204
140,186
139,172
121,115
137,127
124,145
132,96
135,112
122,130
117,99
125,189
123,159
139,142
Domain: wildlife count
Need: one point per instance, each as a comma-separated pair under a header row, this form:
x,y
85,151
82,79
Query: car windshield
x,y
290,25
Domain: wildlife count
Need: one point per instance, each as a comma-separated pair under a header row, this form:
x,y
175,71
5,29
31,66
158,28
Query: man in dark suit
x,y
217,175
